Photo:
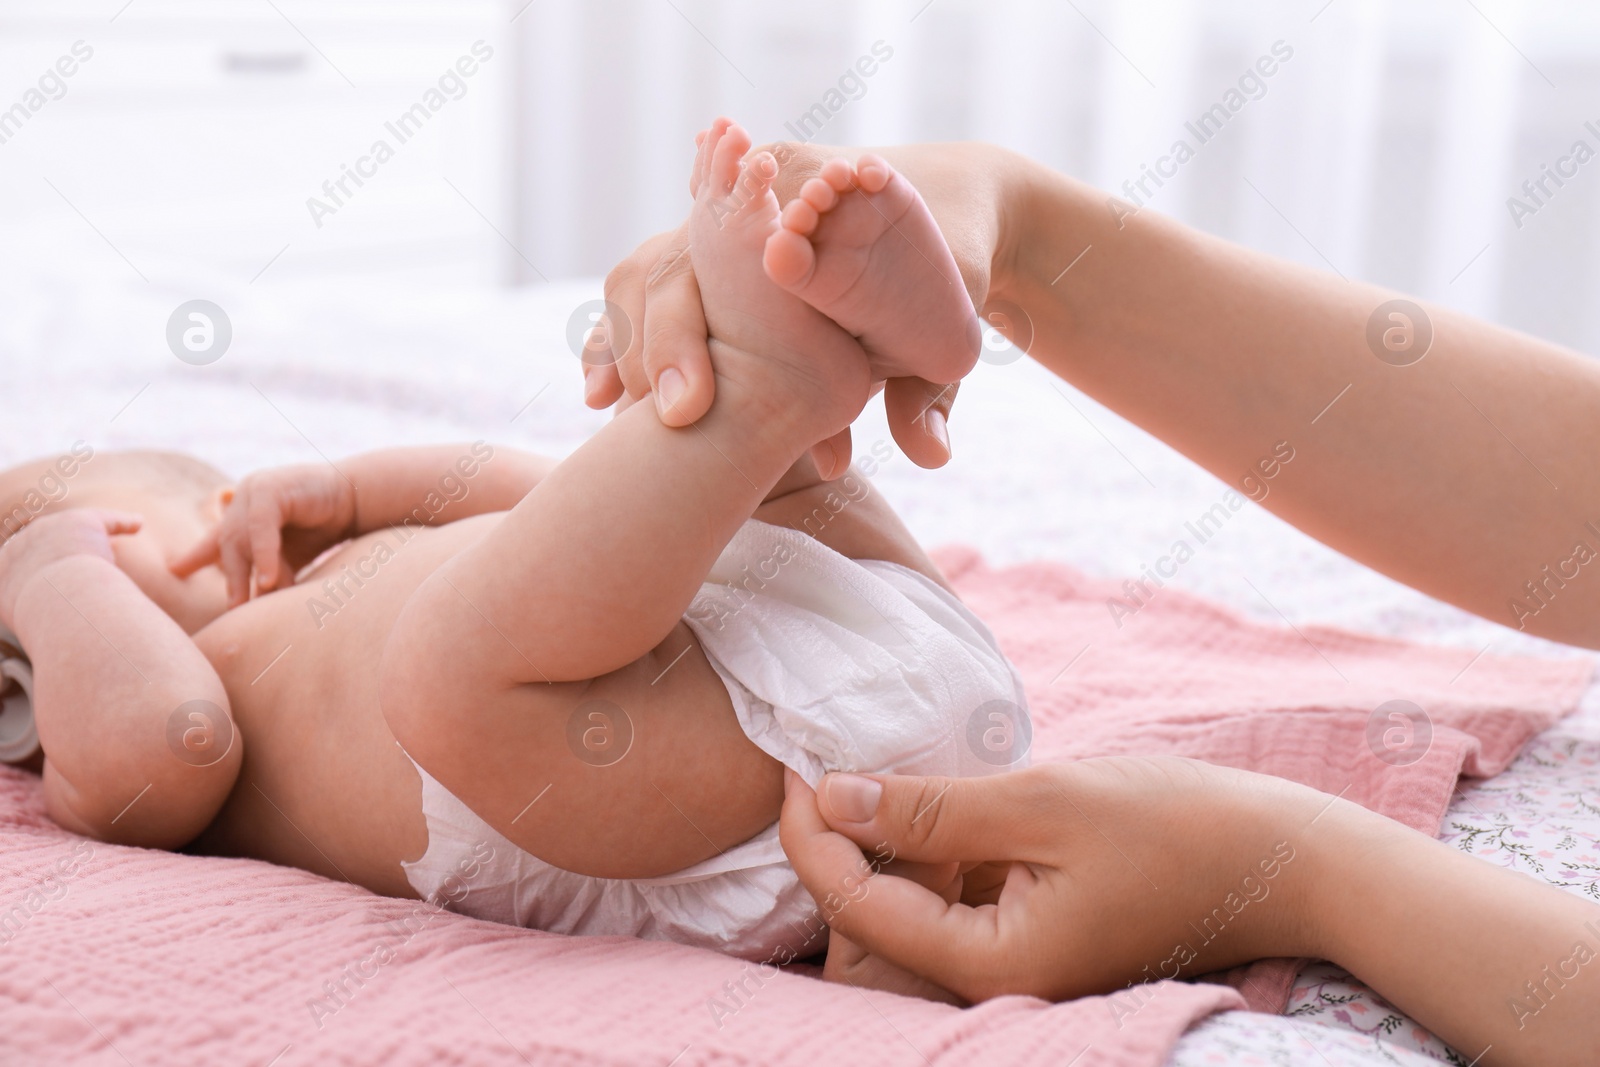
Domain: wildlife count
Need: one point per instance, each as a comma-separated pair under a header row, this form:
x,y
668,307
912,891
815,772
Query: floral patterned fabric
x,y
1540,817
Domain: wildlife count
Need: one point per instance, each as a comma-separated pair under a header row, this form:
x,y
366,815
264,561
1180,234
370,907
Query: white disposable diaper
x,y
832,664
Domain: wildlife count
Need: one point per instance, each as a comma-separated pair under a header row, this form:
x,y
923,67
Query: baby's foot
x,y
860,246
766,335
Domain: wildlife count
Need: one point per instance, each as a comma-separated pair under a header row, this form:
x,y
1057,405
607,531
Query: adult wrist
x,y
1346,851
1057,239
1020,205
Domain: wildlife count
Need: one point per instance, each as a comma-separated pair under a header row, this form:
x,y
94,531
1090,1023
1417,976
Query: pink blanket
x,y
117,955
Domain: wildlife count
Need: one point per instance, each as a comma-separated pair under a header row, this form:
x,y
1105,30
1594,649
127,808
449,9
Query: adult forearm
x,y
1492,961
1466,473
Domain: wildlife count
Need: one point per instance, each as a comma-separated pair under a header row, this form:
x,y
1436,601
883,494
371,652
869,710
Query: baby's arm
x,y
279,519
139,745
436,484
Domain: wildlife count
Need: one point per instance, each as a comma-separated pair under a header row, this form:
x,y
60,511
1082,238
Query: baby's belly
x,y
324,786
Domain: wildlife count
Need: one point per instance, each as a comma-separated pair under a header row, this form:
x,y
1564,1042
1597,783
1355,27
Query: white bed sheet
x,y
327,368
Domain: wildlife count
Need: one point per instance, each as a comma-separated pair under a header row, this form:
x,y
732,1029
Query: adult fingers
x,y
625,297
1014,816
981,883
907,924
204,553
602,385
677,360
918,411
832,457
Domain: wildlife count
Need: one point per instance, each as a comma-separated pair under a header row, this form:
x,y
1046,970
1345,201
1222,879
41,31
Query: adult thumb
x,y
938,820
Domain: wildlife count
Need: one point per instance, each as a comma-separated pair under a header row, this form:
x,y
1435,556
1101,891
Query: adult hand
x,y
1111,861
655,289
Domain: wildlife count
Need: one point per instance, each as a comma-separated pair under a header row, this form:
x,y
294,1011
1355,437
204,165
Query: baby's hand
x,y
276,522
74,532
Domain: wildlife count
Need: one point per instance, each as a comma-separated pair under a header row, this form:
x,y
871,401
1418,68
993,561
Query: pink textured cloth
x,y
1183,676
118,955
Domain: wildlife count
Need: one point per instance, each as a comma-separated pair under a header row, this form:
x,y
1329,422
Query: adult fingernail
x,y
854,798
589,384
937,429
788,780
670,385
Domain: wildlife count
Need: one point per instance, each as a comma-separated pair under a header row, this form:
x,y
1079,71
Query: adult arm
x,y
1468,474
1113,861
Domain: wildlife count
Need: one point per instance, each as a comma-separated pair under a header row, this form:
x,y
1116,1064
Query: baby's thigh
x,y
636,774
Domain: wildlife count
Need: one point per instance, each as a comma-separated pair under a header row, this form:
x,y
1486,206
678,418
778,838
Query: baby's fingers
x,y
266,543
233,558
120,523
205,552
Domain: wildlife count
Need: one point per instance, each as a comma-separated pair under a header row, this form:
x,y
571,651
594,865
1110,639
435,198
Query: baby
x,y
561,695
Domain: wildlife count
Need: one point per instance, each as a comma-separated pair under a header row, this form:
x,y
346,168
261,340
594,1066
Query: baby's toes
x,y
798,215
755,178
819,193
697,174
873,172
838,173
788,258
726,156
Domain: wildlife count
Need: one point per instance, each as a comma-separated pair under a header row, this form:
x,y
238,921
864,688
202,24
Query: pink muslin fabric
x,y
1109,675
111,954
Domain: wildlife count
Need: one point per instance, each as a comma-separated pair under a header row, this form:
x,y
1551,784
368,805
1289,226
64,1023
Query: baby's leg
x,y
859,245
576,597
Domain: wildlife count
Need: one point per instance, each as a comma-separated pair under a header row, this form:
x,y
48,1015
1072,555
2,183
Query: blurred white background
x,y
177,162
1385,148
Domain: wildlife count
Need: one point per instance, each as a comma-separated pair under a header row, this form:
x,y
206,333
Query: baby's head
x,y
180,498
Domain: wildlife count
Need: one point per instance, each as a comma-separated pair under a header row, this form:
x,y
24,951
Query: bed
x,y
1041,472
